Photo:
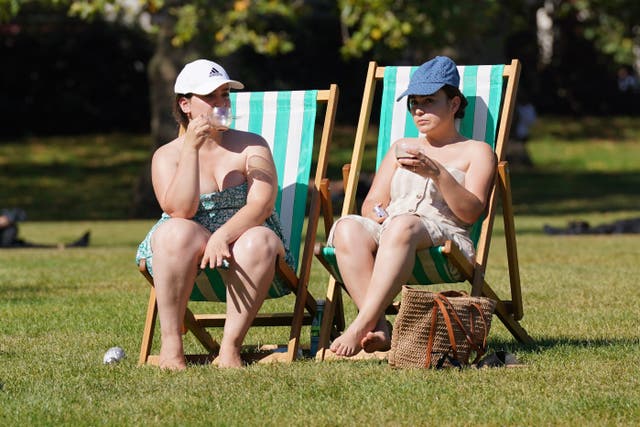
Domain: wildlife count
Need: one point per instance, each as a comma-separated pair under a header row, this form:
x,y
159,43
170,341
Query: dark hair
x,y
180,116
451,92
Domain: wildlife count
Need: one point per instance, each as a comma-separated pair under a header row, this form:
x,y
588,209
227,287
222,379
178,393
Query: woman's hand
x,y
379,213
420,163
198,130
216,253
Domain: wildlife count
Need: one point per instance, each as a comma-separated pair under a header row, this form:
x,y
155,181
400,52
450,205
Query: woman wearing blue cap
x,y
217,188
427,190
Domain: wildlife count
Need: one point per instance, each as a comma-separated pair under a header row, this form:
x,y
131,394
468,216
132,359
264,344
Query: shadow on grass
x,y
71,191
548,343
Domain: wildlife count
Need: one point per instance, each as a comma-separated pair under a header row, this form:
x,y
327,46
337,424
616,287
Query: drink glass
x,y
220,118
401,149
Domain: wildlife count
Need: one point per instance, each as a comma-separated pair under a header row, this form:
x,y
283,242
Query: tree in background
x,y
316,42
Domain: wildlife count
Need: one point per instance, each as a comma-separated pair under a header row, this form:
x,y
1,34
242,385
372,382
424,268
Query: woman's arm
x,y
380,191
175,171
262,191
468,202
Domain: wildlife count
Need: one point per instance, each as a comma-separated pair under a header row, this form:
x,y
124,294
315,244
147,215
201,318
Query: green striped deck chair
x,y
490,90
288,122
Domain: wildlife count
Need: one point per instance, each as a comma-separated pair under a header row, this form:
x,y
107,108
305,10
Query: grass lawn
x,y
60,310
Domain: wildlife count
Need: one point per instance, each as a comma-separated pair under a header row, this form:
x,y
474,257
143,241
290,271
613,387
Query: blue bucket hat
x,y
431,76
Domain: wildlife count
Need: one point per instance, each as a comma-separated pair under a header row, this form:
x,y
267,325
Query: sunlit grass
x,y
95,177
62,309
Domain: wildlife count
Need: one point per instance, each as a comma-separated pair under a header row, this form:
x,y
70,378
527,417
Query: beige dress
x,y
414,194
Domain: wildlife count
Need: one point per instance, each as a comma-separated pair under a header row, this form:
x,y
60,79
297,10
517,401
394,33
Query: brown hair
x,y
181,117
452,92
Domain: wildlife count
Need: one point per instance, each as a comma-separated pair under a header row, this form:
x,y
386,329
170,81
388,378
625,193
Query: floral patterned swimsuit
x,y
214,210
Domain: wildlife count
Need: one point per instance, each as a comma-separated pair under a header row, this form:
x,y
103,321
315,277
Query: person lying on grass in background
x,y
9,219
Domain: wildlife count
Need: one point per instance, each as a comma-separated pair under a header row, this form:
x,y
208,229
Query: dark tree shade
x,y
65,76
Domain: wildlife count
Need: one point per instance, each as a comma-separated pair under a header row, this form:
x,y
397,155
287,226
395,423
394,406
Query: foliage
x,y
380,28
263,25
8,9
611,24
279,45
266,26
386,28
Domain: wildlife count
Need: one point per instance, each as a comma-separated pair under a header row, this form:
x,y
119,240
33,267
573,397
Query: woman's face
x,y
428,111
202,104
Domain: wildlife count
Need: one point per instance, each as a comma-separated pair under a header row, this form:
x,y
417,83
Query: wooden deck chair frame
x,y
508,311
316,198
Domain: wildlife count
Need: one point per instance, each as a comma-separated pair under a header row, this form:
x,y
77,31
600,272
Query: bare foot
x,y
174,364
228,359
348,344
172,354
376,341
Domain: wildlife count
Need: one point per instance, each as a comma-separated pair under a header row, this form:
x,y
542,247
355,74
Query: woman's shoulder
x,y
480,154
171,148
478,147
469,152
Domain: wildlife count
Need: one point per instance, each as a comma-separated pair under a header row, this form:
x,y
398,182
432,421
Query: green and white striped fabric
x,y
286,120
482,86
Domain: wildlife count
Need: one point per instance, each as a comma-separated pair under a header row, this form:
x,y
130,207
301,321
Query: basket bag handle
x,y
442,302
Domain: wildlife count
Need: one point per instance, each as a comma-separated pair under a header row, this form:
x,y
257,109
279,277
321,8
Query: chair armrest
x,y
142,267
346,168
326,206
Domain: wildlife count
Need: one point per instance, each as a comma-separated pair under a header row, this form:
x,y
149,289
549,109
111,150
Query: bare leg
x,y
379,339
355,253
248,281
392,268
177,245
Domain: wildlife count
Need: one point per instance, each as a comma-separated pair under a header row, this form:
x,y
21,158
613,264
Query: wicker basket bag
x,y
440,329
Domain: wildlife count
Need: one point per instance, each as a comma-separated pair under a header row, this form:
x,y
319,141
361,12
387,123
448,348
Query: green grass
x,y
581,165
73,178
60,310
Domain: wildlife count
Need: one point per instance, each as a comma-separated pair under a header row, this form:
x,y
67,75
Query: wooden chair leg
x,y
510,238
326,327
333,320
296,323
504,309
200,333
504,314
149,328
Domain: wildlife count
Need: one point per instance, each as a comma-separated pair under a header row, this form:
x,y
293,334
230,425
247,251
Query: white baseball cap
x,y
201,77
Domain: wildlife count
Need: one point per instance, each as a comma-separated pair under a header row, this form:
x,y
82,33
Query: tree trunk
x,y
162,71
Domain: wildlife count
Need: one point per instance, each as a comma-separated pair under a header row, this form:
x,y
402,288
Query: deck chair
x,y
491,92
287,120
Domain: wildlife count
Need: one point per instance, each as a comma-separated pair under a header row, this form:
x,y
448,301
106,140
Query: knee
x,y
402,230
347,233
179,236
259,244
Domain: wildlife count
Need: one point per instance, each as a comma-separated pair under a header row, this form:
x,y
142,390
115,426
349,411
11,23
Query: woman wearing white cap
x,y
217,188
427,190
